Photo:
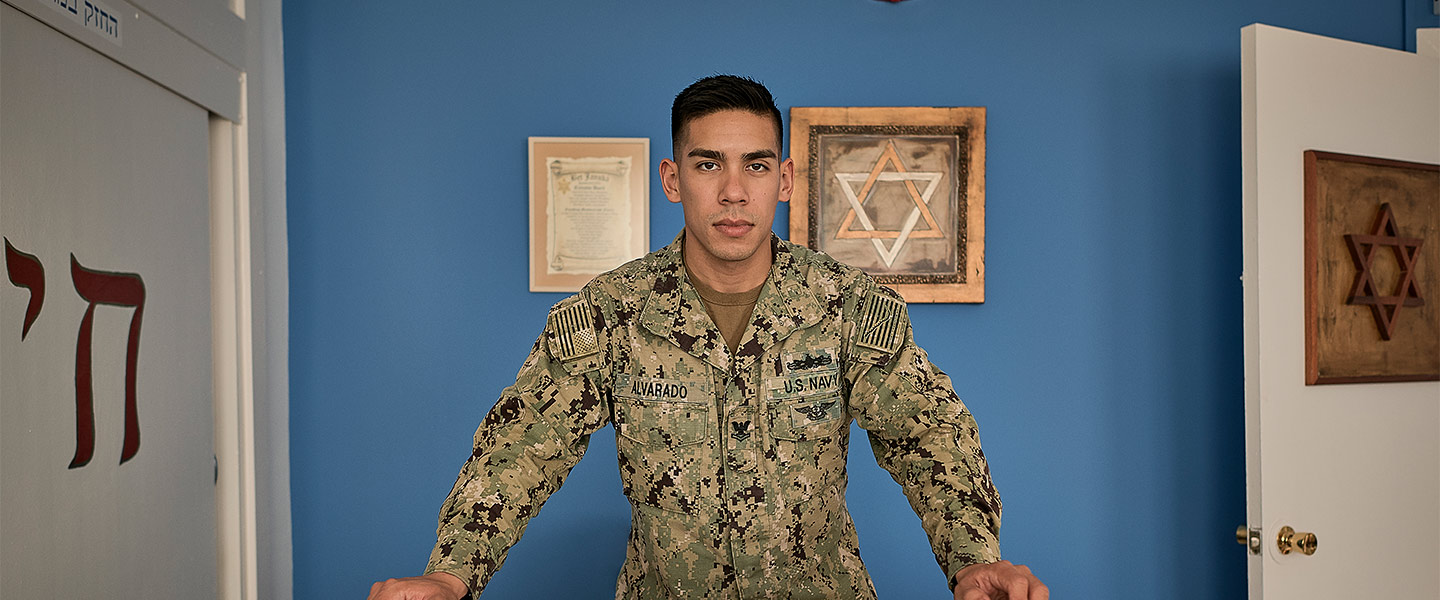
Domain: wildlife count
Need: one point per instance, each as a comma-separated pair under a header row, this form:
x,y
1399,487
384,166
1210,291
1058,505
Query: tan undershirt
x,y
730,311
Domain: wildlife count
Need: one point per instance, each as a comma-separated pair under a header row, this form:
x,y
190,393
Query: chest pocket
x,y
664,423
663,440
808,432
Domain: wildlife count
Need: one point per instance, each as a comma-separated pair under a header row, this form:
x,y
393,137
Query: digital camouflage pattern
x,y
734,465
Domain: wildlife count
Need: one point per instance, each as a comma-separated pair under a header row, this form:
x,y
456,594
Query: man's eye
x,y
707,166
757,167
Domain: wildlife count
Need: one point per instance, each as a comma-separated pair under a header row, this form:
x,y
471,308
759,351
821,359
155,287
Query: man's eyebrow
x,y
706,153
756,155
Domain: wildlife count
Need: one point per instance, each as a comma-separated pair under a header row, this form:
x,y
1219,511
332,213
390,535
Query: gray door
x,y
106,428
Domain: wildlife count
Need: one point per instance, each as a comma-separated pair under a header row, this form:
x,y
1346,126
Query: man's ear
x,y
787,179
670,179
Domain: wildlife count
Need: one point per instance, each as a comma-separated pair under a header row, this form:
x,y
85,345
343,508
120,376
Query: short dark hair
x,y
723,92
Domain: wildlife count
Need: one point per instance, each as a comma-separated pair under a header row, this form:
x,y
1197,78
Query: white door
x,y
1356,464
107,467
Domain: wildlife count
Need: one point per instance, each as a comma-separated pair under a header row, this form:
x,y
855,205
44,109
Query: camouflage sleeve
x,y
525,446
922,434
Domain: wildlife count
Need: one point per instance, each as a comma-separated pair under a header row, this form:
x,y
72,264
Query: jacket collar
x,y
675,312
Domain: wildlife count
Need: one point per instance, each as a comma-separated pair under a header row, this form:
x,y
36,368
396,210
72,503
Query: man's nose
x,y
734,190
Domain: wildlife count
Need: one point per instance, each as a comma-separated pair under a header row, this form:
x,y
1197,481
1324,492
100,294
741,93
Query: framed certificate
x,y
589,208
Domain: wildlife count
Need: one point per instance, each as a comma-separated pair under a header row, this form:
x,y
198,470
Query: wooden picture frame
x,y
589,208
1372,269
896,191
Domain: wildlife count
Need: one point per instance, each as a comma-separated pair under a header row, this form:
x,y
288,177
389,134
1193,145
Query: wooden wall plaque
x,y
1372,269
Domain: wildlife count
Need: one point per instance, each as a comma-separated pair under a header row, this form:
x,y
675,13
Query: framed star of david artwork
x,y
898,192
1372,269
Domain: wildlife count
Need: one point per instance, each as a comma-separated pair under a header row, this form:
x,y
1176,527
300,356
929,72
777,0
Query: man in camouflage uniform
x,y
730,364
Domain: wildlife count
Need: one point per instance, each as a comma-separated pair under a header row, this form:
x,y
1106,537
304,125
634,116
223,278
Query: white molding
x,y
228,355
258,545
233,304
157,51
268,337
260,521
245,322
208,23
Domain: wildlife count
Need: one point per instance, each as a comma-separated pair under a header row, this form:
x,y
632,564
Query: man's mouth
x,y
734,227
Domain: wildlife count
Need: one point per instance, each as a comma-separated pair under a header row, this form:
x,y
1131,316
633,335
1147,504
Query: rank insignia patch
x,y
880,322
741,430
572,332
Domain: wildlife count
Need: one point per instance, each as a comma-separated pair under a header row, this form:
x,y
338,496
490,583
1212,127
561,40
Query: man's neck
x,y
729,277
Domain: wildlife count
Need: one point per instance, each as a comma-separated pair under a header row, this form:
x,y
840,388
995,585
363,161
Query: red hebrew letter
x,y
26,271
114,289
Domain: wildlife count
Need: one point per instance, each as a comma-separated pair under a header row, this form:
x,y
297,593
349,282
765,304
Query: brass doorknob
x,y
1290,540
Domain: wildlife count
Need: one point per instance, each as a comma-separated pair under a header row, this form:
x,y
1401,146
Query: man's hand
x,y
435,586
999,581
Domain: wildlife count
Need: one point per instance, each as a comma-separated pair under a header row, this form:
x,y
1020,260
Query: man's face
x,y
728,177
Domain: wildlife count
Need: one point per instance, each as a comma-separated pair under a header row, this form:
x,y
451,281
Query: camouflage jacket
x,y
734,465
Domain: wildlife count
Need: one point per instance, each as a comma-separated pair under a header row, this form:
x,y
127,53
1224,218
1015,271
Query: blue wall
x,y
1104,367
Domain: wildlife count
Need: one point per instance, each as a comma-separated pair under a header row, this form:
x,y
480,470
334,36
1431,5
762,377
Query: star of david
x,y
1363,249
907,231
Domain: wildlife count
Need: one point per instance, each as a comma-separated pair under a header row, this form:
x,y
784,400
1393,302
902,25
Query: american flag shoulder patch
x,y
880,322
572,332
